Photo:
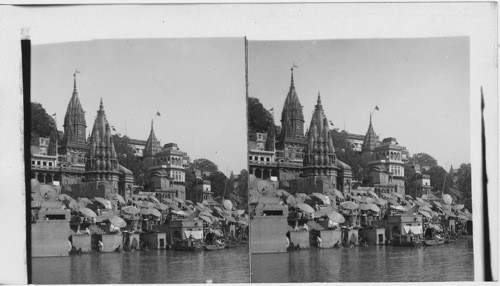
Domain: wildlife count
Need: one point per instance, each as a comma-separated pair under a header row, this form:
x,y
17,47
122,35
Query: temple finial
x,y
319,98
152,124
292,82
74,83
101,107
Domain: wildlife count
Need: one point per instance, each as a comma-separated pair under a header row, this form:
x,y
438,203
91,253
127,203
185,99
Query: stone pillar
x,y
52,178
36,176
44,179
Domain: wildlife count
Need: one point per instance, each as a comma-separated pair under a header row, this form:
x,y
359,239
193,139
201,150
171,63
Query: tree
x,y
204,165
423,159
464,180
219,184
440,179
126,157
42,123
259,119
344,150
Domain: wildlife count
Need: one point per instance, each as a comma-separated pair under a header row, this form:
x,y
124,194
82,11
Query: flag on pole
x,y
77,71
112,127
331,123
158,113
271,109
376,108
54,114
295,66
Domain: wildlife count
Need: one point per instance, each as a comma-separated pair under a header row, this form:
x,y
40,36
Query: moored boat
x,y
211,247
187,245
406,240
432,242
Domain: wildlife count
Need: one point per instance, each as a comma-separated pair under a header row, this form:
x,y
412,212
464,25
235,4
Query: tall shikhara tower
x,y
102,164
319,154
152,147
291,140
75,125
292,118
371,142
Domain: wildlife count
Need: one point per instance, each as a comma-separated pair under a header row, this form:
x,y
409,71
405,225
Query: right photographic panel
x,y
359,160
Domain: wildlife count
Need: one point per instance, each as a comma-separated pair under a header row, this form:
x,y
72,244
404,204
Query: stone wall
x,y
371,235
50,238
301,238
330,237
111,242
268,234
82,242
153,240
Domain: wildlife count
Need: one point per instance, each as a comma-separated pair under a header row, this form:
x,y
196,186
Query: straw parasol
x,y
131,210
305,207
88,212
336,217
117,221
349,205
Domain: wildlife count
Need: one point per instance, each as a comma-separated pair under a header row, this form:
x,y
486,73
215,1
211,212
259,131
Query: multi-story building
x,y
166,167
385,162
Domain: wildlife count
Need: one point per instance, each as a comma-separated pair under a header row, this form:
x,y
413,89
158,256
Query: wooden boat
x,y
187,245
211,247
432,242
406,240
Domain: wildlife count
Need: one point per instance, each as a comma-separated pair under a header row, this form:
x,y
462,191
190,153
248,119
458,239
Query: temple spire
x,y
74,83
152,124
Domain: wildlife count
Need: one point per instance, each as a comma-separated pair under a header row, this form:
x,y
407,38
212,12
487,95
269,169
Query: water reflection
x,y
226,266
449,262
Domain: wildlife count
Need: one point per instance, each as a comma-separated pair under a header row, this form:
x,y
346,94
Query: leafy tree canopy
x,y
126,157
259,118
423,159
42,123
204,165
344,150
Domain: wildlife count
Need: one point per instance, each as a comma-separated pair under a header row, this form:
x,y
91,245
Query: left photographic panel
x,y
138,162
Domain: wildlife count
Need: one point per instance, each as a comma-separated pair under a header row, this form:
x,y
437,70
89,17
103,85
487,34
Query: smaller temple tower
x,y
319,154
102,163
151,149
371,142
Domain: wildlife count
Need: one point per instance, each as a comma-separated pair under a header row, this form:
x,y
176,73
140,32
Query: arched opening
x,y
176,235
395,231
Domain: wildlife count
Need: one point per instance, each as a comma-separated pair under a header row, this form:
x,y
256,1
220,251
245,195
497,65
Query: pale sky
x,y
197,85
421,87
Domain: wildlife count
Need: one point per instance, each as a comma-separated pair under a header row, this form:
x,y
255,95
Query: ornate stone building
x,y
385,162
166,167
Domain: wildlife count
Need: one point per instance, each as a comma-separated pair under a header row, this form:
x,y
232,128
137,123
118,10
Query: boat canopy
x,y
197,234
415,229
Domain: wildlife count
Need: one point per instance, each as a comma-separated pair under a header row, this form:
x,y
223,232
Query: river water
x,y
158,266
446,262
